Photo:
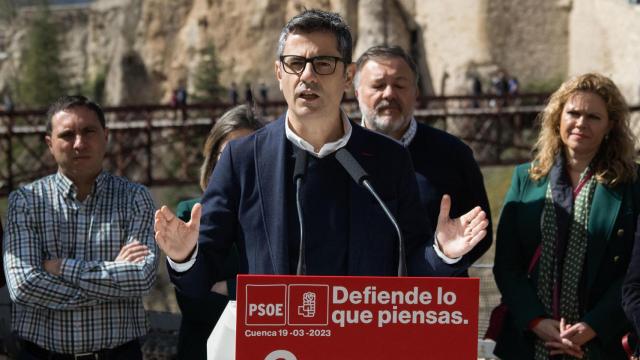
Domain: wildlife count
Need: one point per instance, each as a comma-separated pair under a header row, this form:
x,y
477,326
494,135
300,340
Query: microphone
x,y
361,178
299,171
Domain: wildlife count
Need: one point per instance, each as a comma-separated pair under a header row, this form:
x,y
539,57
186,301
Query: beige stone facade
x,y
605,37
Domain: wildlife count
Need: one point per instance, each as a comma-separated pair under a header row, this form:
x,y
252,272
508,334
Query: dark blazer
x,y
445,165
631,286
245,203
612,223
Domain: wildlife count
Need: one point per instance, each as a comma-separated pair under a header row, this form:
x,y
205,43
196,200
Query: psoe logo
x,y
281,355
308,304
308,307
266,305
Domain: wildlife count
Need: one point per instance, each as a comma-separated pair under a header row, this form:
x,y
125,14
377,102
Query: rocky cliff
x,y
146,48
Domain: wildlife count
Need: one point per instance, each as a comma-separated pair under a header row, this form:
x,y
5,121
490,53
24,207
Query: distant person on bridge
x,y
199,316
476,89
7,103
248,94
233,94
567,229
79,253
250,199
264,93
386,85
500,85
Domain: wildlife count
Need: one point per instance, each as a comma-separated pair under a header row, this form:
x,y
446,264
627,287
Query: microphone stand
x,y
299,170
357,173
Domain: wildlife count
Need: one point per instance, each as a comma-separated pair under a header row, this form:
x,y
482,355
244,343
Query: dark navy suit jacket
x,y
245,202
445,165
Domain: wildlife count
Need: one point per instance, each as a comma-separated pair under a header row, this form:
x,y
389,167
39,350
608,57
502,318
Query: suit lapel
x,y
605,207
270,155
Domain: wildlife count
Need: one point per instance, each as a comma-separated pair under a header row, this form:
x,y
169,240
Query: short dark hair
x,y
314,20
71,101
384,52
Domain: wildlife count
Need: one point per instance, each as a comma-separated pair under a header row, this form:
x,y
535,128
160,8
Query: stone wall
x,y
527,39
605,37
454,41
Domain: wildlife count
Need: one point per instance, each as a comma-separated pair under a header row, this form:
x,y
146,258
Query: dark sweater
x,y
325,205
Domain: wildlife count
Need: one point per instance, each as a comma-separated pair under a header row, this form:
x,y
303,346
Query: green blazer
x,y
612,224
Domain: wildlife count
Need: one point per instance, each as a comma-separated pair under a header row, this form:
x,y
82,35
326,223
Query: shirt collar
x,y
408,135
327,148
69,189
64,184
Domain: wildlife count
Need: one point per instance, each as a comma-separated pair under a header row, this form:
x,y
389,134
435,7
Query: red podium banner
x,y
331,317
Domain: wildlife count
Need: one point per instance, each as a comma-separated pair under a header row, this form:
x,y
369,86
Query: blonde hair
x,y
239,117
614,162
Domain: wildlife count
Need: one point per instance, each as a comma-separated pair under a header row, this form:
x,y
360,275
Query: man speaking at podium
x,y
253,200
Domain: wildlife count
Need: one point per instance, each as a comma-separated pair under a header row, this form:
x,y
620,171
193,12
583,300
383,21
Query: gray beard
x,y
384,127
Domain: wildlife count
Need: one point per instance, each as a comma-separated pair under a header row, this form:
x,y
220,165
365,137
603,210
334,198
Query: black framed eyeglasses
x,y
322,65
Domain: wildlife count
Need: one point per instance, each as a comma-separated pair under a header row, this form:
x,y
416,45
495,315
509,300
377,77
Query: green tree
x,y
7,10
40,81
94,87
206,83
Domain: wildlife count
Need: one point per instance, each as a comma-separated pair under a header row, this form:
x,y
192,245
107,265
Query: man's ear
x,y
47,139
348,74
278,71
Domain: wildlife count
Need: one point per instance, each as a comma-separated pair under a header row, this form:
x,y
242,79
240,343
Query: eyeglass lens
x,y
322,65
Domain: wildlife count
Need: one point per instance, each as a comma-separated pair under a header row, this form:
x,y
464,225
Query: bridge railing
x,y
161,144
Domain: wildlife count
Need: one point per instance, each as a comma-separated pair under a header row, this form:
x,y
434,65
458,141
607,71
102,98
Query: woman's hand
x,y
579,333
549,331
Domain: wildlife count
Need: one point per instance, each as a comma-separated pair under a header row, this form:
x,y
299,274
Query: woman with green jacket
x,y
199,316
567,227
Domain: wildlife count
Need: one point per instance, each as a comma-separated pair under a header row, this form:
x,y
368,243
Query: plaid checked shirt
x,y
96,303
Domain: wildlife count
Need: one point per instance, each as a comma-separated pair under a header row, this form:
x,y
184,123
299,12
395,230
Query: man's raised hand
x,y
457,237
175,237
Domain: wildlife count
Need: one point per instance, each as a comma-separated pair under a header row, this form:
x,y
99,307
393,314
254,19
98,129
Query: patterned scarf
x,y
563,275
